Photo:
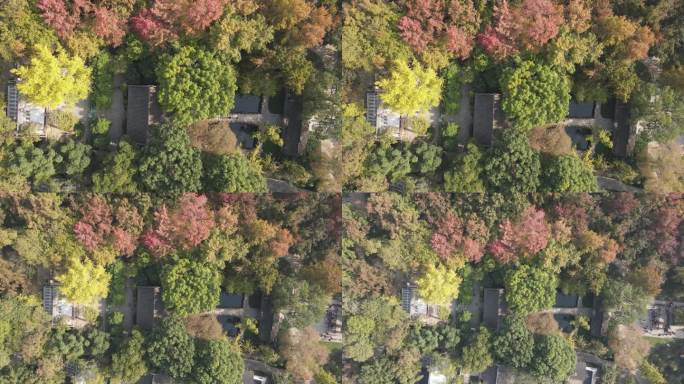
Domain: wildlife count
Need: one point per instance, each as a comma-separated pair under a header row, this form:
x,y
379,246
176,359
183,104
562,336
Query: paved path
x,y
597,121
593,122
614,185
82,110
667,302
571,311
474,307
265,117
465,115
282,186
128,308
253,367
662,308
236,312
266,114
116,113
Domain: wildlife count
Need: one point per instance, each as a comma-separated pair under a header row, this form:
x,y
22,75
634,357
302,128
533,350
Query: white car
x,y
259,379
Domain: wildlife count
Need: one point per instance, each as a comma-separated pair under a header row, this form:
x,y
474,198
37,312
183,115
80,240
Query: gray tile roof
x,y
294,134
148,307
12,100
492,307
246,104
142,111
623,130
231,300
581,110
488,118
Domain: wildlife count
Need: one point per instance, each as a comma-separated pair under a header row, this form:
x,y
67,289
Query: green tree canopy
x,y
466,173
304,304
429,157
170,349
217,362
513,165
567,173
530,289
476,356
96,342
377,372
118,171
190,287
76,158
554,358
660,110
52,79
626,302
408,90
377,320
128,363
295,68
21,27
232,173
370,38
428,339
66,343
235,33
33,163
534,95
390,162
103,80
359,329
195,84
23,321
168,164
514,343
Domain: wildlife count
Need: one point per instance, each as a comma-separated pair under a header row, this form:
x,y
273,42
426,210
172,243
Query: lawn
x,y
332,346
655,341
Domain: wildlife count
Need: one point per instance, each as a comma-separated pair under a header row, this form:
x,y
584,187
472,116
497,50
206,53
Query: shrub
x,y
651,373
297,174
103,81
116,318
451,92
678,318
419,125
450,130
63,120
99,129
117,287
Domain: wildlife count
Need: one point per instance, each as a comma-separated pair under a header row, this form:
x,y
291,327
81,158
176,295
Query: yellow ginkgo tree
x,y
52,78
408,90
84,282
439,285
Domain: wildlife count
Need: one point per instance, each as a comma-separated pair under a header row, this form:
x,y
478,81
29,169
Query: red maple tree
x,y
184,227
526,236
529,25
165,20
429,22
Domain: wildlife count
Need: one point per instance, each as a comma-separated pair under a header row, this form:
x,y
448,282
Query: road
x,y
282,186
116,112
128,307
614,185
